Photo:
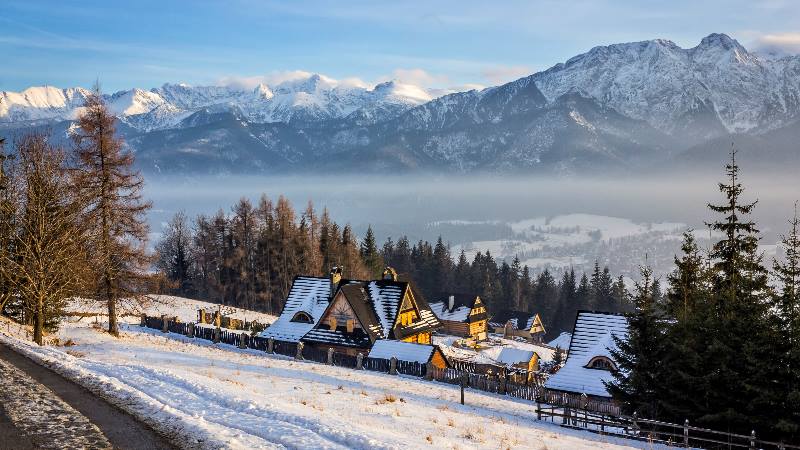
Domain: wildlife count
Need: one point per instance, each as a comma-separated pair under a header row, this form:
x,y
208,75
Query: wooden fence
x,y
569,410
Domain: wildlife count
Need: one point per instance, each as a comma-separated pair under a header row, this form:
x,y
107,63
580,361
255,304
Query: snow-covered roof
x,y
510,356
308,294
592,336
562,341
403,351
386,297
458,314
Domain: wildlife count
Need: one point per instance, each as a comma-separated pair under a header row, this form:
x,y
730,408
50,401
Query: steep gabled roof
x,y
376,304
592,336
462,306
520,320
308,294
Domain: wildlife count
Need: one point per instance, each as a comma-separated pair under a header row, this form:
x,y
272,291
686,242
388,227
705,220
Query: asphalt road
x,y
120,428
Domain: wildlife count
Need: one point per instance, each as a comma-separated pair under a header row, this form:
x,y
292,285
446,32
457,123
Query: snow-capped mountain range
x,y
625,106
311,98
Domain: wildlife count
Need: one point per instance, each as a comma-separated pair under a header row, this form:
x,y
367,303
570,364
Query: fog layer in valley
x,y
481,212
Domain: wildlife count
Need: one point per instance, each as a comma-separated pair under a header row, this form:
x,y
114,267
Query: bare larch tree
x,y
111,190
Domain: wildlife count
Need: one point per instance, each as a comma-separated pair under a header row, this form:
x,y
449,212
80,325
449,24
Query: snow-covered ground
x,y
185,309
221,397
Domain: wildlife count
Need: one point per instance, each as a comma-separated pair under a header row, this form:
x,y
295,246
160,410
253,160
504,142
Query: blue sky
x,y
434,43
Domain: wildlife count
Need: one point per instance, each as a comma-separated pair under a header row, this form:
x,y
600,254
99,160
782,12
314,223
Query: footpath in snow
x,y
216,396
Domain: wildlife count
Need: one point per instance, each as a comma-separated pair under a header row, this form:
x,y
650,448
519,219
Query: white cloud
x,y
779,43
275,78
417,77
503,74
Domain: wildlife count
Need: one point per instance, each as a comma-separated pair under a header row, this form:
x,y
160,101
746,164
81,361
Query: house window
x,y
302,317
601,363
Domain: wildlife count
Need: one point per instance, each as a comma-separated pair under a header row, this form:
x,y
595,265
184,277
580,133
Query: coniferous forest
x,y
720,349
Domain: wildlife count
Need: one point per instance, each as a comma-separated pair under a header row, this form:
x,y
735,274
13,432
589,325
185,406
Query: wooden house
x,y
519,359
308,299
461,315
589,363
363,312
407,351
517,323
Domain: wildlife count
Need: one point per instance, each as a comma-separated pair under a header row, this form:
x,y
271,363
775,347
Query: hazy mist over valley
x,y
617,221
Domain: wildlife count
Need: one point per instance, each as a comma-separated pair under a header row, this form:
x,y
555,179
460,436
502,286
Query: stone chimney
x,y
451,301
389,274
336,277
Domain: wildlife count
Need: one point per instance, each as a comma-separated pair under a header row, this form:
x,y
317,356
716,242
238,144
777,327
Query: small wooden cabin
x,y
518,358
461,315
518,323
407,351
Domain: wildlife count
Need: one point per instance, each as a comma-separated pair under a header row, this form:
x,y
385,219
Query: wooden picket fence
x,y
569,410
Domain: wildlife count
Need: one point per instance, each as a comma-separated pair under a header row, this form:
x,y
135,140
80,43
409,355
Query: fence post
x,y
464,380
164,325
502,388
429,371
330,356
190,330
753,439
538,408
299,355
242,340
393,366
686,433
217,332
144,320
359,361
270,345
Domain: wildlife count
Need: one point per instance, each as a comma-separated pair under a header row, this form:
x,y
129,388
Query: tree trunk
x,y
38,322
113,327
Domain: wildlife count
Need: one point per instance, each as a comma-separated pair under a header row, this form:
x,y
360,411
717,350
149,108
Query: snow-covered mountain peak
x,y
662,83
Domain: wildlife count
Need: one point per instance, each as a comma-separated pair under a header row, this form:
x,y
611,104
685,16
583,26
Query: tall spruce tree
x,y
786,303
689,311
639,358
372,259
739,338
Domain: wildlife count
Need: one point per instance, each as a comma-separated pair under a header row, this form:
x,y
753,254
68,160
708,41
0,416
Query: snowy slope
x,y
220,397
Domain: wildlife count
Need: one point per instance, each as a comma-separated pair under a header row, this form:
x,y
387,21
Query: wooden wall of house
x,y
455,328
438,360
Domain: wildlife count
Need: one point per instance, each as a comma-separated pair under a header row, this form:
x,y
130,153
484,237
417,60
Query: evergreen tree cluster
x,y
721,348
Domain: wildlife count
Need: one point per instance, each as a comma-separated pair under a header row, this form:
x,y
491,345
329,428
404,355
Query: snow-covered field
x,y
209,396
185,309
